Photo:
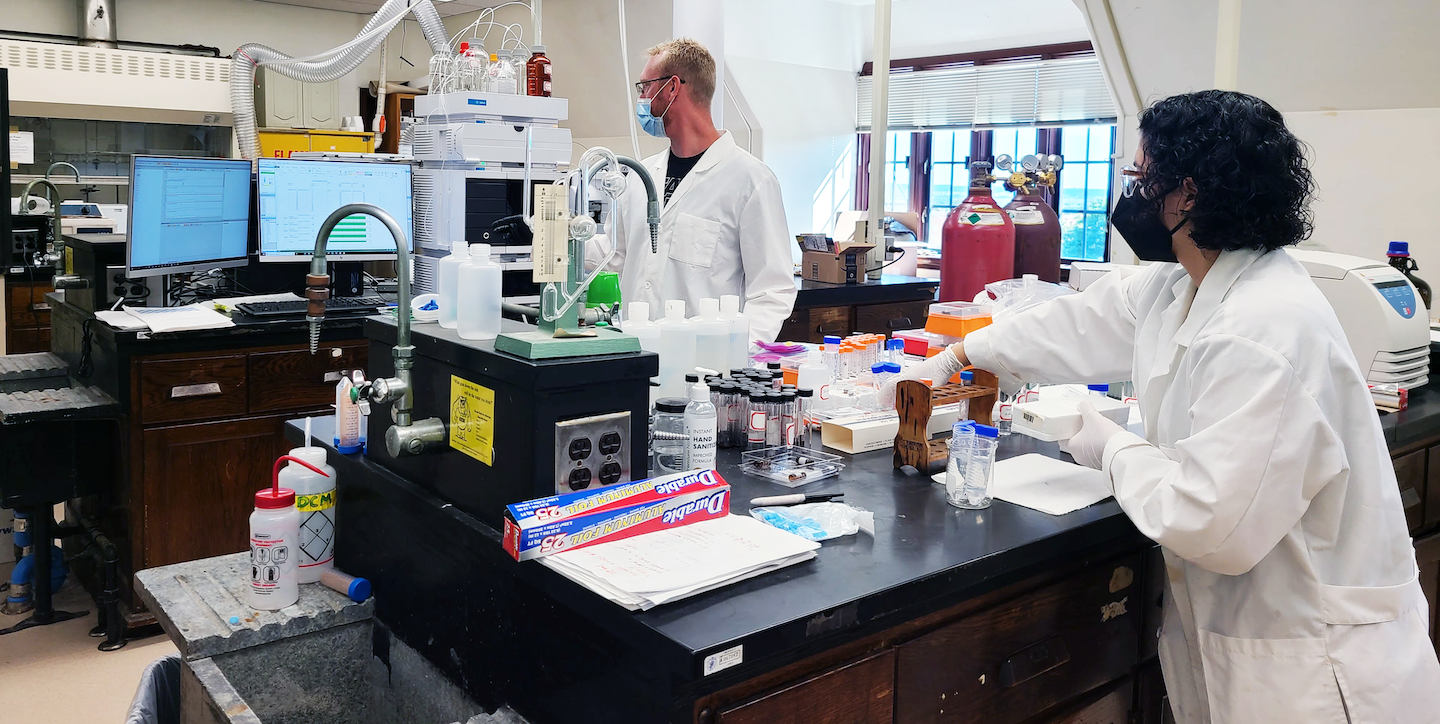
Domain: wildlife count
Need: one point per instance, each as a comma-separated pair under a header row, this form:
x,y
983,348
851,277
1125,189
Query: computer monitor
x,y
187,214
296,196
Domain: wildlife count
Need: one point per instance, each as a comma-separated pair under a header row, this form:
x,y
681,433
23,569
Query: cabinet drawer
x,y
813,323
861,693
1410,474
28,305
887,318
197,388
1020,658
298,380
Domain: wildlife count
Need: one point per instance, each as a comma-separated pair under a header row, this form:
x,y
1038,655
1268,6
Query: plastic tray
x,y
790,465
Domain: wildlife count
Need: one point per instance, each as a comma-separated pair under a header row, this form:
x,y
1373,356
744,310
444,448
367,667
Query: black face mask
x,y
1137,221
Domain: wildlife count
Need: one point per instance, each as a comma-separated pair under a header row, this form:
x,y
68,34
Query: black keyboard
x,y
297,307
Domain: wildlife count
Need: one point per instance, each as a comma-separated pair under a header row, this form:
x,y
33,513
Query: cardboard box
x,y
539,527
615,523
865,432
825,260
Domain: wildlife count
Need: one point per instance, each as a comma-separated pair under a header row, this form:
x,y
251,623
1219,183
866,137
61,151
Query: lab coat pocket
x,y
694,240
1270,680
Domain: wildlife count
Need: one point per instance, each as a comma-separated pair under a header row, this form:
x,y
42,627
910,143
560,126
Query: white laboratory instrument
x,y
1383,318
1056,415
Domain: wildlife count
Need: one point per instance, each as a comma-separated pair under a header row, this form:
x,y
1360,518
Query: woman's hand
x,y
938,369
1088,445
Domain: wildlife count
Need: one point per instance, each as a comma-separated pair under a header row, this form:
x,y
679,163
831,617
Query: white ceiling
x,y
368,7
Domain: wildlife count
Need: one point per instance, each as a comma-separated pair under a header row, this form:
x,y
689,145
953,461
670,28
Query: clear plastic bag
x,y
1012,296
817,521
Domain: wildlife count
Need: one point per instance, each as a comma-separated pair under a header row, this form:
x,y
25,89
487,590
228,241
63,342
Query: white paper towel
x,y
1046,484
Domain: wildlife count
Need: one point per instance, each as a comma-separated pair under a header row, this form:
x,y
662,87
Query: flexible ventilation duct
x,y
247,57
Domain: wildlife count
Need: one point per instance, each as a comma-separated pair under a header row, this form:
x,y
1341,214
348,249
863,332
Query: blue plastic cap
x,y
892,367
359,590
1399,248
234,620
895,344
831,339
1098,388
877,367
962,425
967,375
986,431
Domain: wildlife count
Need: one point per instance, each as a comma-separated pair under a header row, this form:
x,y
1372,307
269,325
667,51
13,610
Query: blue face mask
x,y
652,125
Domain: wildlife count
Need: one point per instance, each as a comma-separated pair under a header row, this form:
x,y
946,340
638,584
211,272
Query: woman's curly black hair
x,y
1252,179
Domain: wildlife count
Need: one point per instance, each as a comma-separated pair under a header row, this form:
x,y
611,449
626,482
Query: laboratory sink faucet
x,y
56,255
406,436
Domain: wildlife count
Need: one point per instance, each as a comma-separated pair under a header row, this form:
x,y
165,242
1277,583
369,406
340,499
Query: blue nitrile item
x,y
818,521
803,527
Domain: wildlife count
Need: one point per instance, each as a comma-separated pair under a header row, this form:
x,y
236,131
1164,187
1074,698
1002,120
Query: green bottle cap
x,y
604,291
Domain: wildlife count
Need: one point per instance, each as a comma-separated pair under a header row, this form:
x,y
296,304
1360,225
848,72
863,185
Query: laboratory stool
x,y
56,440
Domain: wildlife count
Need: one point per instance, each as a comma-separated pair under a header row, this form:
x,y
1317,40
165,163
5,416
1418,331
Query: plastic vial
x,y
830,355
755,429
877,375
789,418
477,299
1004,413
777,375
805,414
774,420
701,424
538,72
739,330
967,379
315,502
981,470
1098,390
896,350
962,439
671,446
848,366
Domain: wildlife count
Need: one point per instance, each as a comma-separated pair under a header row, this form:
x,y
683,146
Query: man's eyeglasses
x,y
640,86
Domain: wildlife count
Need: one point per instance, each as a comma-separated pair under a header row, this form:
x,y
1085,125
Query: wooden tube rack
x,y
916,402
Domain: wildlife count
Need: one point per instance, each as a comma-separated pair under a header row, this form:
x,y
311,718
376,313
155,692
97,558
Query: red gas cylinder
x,y
1037,236
977,244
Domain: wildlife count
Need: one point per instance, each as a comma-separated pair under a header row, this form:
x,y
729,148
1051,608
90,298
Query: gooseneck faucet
x,y
53,257
406,436
59,164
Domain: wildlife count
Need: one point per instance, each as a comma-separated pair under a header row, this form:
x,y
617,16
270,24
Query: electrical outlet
x,y
592,452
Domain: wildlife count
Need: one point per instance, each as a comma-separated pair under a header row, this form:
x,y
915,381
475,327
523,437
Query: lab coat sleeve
x,y
765,257
1259,450
1080,338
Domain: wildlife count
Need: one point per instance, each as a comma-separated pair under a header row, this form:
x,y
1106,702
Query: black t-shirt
x,y
675,171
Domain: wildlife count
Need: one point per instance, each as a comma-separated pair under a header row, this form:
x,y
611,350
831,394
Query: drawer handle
x,y
1033,661
1410,497
204,389
901,323
40,307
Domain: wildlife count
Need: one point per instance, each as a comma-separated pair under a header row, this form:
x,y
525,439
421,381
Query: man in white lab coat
x,y
1263,473
722,223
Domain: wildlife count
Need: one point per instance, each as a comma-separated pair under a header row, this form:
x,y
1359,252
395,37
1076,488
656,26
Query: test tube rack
x,y
916,401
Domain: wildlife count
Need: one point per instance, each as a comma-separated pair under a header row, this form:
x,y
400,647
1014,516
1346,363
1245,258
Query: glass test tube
x,y
774,422
788,424
755,429
805,412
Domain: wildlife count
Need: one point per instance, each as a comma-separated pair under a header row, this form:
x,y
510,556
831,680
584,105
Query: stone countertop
x,y
196,600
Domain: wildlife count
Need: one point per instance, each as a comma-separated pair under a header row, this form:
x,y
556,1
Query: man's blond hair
x,y
692,62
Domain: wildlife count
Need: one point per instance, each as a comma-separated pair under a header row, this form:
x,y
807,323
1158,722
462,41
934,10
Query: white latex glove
x,y
1088,445
938,369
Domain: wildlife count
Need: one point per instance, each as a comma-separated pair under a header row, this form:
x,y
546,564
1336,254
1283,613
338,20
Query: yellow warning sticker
x,y
317,501
472,419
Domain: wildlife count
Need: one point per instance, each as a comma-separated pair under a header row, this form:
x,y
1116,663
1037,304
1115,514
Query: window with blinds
x,y
1051,91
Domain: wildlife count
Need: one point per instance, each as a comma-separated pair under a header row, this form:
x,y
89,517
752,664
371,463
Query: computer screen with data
x,y
297,196
187,214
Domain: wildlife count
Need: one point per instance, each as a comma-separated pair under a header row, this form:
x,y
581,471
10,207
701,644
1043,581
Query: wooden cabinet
x,y
205,431
812,324
200,482
1017,660
860,693
27,316
890,318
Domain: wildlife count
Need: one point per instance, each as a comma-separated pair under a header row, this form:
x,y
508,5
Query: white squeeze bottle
x,y
814,375
638,324
712,335
449,278
274,535
478,295
739,331
677,349
315,502
701,425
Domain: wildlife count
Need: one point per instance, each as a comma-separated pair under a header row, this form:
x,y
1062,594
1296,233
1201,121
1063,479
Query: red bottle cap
x,y
464,46
274,499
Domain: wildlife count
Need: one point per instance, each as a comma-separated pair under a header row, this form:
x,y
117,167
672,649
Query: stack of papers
x,y
1045,484
643,572
179,319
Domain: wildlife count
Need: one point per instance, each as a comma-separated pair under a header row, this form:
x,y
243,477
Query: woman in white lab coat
x,y
1263,473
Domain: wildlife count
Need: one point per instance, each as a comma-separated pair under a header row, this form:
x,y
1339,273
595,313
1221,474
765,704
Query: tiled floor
x,y
55,673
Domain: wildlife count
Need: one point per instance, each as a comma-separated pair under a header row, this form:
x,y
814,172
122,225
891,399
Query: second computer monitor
x,y
296,197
